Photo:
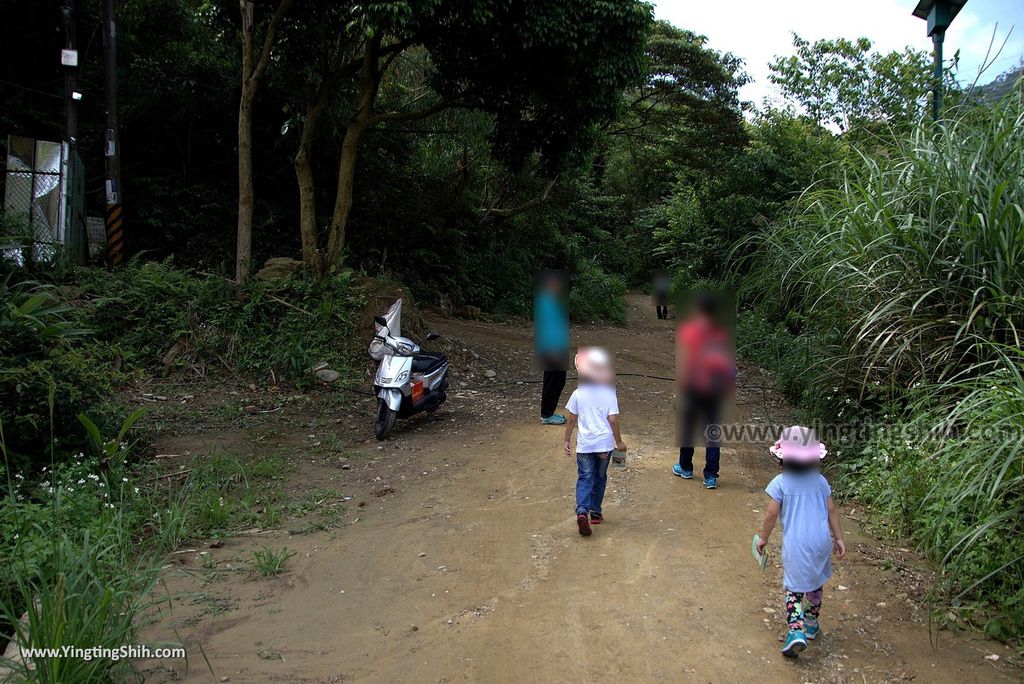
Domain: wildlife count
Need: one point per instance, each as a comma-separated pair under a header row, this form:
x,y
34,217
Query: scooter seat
x,y
428,362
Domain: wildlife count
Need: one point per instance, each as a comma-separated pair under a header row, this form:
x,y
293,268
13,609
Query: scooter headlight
x,y
402,377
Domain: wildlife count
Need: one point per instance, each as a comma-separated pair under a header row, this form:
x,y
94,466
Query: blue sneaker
x,y
811,629
795,643
553,419
685,474
711,482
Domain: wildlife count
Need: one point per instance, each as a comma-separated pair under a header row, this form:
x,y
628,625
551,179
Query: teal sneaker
x,y
685,474
711,482
795,643
553,419
811,629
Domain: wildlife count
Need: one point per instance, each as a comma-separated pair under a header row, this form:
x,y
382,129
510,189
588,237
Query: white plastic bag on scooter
x,y
377,349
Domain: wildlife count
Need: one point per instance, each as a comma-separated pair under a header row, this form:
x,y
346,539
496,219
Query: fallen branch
x,y
512,211
289,305
168,476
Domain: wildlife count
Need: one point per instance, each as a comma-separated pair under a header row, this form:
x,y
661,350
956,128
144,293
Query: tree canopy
x,y
843,83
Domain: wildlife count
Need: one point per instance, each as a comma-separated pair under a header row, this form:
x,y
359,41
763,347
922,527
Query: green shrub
x,y
948,475
596,295
154,313
916,259
49,373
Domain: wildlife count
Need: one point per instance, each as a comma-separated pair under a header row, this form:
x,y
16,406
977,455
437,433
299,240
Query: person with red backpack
x,y
706,374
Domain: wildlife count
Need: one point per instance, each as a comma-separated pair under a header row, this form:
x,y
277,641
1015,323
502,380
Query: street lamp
x,y
939,15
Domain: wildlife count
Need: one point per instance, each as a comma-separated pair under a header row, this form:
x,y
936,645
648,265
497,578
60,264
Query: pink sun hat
x,y
798,444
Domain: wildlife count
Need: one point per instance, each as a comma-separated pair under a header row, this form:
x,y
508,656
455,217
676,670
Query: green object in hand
x,y
761,558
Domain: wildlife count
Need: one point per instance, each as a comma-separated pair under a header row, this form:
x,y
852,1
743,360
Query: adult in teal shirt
x,y
551,341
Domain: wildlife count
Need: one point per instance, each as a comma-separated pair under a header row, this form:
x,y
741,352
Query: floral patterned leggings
x,y
797,611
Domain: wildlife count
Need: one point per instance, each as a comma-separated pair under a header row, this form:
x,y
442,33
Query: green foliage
x,y
269,562
842,83
78,601
915,257
948,476
595,295
147,310
661,166
48,372
70,559
225,493
902,283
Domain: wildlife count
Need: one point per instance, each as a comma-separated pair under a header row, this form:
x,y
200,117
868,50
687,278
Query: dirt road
x,y
464,563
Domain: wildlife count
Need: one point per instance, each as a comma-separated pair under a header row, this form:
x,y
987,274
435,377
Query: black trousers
x,y
700,410
554,383
662,311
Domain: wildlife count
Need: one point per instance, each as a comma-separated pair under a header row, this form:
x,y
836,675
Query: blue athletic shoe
x,y
811,629
711,482
553,419
685,474
795,643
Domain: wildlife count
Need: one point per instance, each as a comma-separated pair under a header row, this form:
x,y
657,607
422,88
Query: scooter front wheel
x,y
385,421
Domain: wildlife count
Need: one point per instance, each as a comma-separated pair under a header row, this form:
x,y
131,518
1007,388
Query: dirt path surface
x,y
458,557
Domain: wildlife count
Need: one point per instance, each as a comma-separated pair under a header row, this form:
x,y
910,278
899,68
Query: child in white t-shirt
x,y
594,409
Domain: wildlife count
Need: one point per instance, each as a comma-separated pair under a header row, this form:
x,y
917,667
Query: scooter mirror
x,y
432,336
381,321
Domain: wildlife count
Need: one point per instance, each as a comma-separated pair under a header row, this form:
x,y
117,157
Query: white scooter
x,y
408,380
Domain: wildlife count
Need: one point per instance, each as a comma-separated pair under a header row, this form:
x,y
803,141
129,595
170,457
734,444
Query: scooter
x,y
408,380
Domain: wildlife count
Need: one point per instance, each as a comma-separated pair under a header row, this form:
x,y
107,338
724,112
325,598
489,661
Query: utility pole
x,y
69,60
111,144
69,64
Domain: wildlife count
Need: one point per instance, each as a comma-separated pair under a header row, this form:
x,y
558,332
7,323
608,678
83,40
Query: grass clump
x,y
269,562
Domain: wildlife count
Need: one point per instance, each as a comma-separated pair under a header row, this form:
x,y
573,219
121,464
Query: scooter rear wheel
x,y
385,420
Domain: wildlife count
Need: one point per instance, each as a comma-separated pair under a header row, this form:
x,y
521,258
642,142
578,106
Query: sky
x,y
758,30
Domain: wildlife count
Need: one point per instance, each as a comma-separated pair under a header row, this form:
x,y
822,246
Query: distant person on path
x,y
661,289
594,409
706,375
802,498
551,340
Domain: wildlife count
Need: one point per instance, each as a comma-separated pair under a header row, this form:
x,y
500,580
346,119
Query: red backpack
x,y
710,368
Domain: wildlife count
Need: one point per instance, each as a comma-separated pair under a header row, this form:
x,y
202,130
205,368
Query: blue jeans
x,y
593,478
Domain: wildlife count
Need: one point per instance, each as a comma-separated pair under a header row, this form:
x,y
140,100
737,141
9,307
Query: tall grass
x,y
915,257
74,571
87,596
908,271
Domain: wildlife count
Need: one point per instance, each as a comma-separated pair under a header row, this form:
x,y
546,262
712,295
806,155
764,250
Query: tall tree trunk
x,y
243,239
307,208
253,66
312,257
369,82
343,199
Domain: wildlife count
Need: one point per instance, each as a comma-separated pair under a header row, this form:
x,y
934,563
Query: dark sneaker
x,y
584,524
596,518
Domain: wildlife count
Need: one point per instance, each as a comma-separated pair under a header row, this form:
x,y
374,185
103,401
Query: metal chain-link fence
x,y
41,210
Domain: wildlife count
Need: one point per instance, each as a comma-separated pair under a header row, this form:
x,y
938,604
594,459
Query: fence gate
x,y
44,195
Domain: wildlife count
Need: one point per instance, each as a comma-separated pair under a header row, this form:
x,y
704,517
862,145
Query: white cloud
x,y
758,30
